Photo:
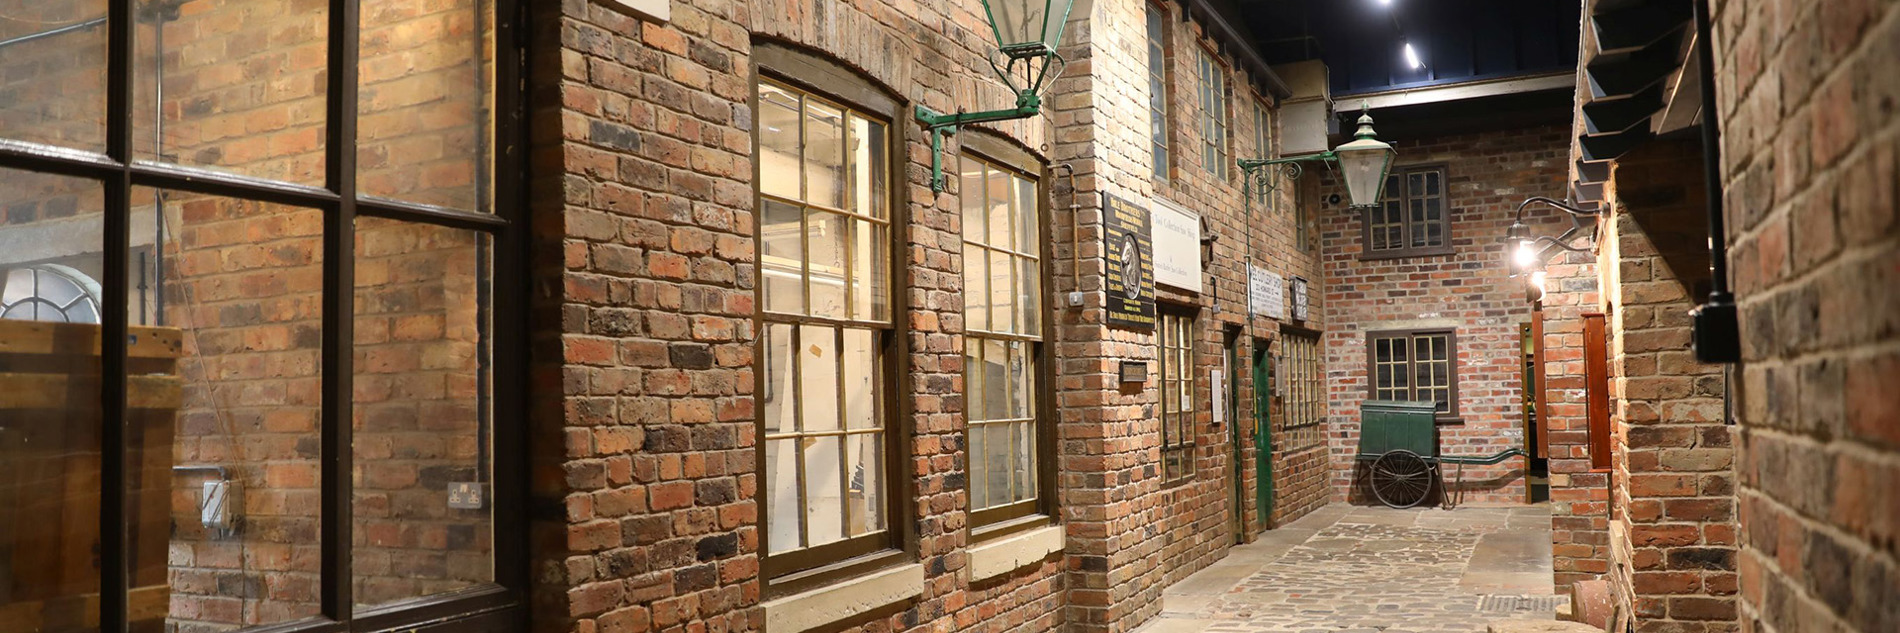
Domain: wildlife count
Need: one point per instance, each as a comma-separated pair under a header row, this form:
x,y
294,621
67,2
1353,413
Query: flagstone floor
x,y
1349,569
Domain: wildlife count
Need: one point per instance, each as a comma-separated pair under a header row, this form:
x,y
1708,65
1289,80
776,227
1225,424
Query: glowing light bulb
x,y
1525,256
1537,281
1411,56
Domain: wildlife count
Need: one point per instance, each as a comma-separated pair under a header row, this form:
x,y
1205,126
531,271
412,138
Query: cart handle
x,y
1507,454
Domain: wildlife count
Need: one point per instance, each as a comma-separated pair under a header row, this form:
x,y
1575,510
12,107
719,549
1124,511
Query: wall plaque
x,y
1134,371
1177,254
1128,238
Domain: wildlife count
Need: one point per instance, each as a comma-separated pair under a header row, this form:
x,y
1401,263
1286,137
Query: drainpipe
x,y
1717,331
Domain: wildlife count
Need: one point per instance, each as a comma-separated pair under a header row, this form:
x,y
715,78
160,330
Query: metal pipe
x,y
80,26
1717,329
203,468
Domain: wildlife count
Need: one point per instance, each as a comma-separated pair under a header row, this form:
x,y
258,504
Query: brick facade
x,y
1469,291
1806,94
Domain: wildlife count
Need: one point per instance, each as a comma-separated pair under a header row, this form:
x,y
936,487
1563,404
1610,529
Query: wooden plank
x,y
1541,406
1596,380
82,339
58,391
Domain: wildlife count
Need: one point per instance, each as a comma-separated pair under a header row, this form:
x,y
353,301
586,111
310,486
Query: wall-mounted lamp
x,y
1411,56
1522,253
1027,32
1364,162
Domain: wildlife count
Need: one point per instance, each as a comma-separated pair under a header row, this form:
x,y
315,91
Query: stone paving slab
x,y
1347,569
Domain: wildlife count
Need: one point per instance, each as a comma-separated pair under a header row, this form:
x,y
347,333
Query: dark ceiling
x,y
1457,40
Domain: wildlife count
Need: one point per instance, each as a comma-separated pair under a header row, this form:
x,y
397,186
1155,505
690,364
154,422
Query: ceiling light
x,y
1411,56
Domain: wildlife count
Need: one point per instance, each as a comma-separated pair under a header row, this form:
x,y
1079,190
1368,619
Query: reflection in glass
x,y
781,476
976,293
421,494
818,378
860,380
866,466
425,110
782,246
779,148
53,73
240,87
776,366
826,237
824,489
824,154
241,283
50,412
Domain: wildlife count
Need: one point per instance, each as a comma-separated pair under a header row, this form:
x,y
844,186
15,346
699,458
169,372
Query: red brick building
x,y
605,316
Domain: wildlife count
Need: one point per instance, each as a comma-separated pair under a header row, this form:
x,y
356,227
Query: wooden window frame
x,y
997,521
1160,100
1406,224
798,570
1452,366
1212,84
1181,417
1305,402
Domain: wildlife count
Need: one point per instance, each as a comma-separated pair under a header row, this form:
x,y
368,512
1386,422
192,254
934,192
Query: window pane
x,y
1028,237
979,463
996,458
860,379
973,383
422,493
425,107
824,489
999,188
779,395
1030,276
242,86
976,288
51,236
782,501
242,283
826,236
782,244
870,297
996,385
1002,293
865,462
824,154
53,88
1018,380
870,162
974,197
1025,464
779,149
818,377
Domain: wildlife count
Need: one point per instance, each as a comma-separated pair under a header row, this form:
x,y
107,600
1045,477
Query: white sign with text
x,y
1177,235
1269,293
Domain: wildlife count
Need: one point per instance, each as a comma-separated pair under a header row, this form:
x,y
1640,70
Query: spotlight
x,y
1411,56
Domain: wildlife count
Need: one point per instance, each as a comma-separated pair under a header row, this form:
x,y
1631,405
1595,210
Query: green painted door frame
x,y
1263,431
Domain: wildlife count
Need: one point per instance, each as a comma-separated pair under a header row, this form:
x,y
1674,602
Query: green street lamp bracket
x,y
1256,173
1028,102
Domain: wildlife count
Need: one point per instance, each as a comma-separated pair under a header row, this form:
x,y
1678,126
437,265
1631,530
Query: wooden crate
x,y
50,457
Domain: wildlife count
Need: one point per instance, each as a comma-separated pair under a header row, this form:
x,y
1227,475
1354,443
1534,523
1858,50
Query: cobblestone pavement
x,y
1347,569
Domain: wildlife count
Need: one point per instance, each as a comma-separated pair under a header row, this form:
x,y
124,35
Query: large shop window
x,y
1304,404
1213,93
1176,338
1418,365
1414,219
1002,317
825,398
1159,126
260,317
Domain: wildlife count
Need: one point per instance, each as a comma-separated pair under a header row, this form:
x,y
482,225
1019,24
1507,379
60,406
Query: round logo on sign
x,y
1131,266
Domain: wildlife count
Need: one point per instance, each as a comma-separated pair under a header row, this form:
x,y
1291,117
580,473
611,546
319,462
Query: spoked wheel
x,y
1401,479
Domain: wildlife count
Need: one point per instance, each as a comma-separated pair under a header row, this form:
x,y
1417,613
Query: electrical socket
x,y
1075,299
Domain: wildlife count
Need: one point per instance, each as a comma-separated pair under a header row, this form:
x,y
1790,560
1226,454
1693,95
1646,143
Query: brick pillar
x,y
1579,495
1673,527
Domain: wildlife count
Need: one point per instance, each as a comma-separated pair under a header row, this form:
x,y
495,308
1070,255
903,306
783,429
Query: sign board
x,y
1299,299
1268,293
1218,379
1177,254
1129,243
1134,371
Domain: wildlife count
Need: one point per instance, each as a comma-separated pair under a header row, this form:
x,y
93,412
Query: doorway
x,y
1536,435
1264,393
1226,407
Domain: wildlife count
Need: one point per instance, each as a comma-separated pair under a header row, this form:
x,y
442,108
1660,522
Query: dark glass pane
x,y
51,238
422,497
53,83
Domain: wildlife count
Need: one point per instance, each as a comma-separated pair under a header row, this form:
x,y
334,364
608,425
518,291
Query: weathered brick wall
x,y
1488,174
1579,494
1672,525
1806,94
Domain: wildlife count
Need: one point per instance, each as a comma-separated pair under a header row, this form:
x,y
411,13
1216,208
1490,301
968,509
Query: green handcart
x,y
1401,439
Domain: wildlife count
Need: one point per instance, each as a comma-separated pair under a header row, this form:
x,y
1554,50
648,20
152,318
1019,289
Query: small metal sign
x,y
1134,371
465,495
1300,300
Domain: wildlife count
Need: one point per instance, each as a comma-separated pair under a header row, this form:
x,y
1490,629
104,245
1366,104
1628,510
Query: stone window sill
x,y
1004,555
838,601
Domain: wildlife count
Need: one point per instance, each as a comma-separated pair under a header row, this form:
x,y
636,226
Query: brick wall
x,y
1672,524
1579,494
1488,174
1806,94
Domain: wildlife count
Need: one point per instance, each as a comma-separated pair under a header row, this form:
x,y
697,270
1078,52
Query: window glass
x,y
1002,323
1420,366
1412,218
422,440
240,87
1213,88
50,411
1177,395
53,73
824,237
1263,145
1158,89
424,114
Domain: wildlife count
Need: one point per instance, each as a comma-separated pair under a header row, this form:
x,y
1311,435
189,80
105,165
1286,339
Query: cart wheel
x,y
1401,479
